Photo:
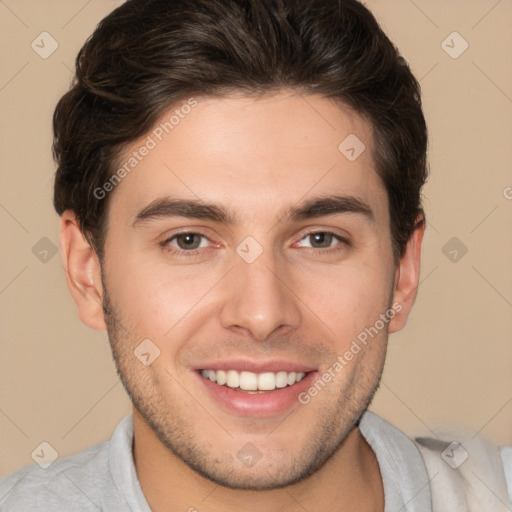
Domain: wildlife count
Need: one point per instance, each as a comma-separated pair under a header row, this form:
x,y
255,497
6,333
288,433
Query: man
x,y
239,189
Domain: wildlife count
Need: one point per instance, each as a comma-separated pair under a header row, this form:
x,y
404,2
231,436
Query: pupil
x,y
188,241
322,239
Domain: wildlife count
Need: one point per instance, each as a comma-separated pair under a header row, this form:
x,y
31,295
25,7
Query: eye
x,y
320,240
187,241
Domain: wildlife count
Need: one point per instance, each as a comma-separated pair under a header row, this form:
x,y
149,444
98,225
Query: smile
x,y
255,382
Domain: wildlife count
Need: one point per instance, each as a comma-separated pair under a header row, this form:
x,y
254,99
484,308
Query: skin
x,y
300,300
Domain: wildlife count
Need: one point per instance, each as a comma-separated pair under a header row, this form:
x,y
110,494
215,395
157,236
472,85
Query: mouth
x,y
251,382
256,392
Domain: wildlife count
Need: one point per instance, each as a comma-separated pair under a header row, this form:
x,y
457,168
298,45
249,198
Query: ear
x,y
83,272
407,278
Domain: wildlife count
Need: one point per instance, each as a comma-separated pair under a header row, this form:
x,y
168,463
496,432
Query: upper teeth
x,y
249,381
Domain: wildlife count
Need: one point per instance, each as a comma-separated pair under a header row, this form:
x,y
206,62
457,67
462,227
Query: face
x,y
252,254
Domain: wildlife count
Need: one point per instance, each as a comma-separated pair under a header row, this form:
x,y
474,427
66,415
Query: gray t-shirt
x,y
103,477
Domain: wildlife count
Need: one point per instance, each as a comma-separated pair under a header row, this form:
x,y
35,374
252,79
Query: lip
x,y
270,365
268,404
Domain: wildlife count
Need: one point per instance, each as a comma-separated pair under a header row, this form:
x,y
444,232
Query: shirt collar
x,y
404,475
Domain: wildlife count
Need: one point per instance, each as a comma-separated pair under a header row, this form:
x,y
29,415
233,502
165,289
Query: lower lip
x,y
269,403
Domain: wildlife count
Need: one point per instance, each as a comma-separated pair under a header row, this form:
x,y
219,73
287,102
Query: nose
x,y
259,299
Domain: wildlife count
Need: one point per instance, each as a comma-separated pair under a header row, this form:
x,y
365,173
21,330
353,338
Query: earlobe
x,y
407,278
83,272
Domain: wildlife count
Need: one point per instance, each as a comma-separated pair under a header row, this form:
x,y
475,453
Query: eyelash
x,y
166,244
342,242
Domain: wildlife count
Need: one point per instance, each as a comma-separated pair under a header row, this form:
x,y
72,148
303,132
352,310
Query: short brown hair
x,y
147,55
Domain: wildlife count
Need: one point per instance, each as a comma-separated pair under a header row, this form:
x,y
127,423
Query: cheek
x,y
347,298
155,298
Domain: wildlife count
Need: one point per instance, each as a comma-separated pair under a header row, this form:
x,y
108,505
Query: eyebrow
x,y
197,209
191,208
330,205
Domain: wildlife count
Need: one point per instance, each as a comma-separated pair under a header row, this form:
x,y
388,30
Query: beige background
x,y
451,365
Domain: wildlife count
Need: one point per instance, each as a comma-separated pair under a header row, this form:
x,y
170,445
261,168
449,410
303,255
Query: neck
x,y
349,480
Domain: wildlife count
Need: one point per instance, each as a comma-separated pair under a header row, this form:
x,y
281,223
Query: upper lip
x,y
260,366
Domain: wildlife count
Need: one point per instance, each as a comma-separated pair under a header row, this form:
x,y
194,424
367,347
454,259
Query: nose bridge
x,y
257,298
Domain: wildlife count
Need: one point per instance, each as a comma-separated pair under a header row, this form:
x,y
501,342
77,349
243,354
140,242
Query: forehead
x,y
252,152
